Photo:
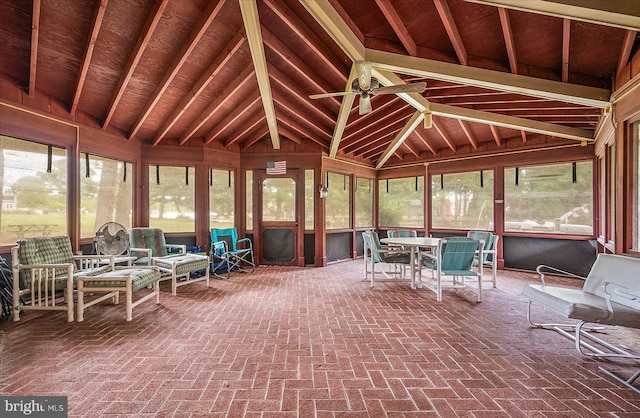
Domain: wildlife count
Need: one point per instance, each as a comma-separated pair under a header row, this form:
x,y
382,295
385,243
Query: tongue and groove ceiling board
x,y
185,72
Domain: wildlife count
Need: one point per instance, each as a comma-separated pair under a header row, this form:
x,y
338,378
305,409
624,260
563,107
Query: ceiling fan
x,y
365,85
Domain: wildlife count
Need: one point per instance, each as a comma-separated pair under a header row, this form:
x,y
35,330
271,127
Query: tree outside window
x,y
462,200
172,198
401,202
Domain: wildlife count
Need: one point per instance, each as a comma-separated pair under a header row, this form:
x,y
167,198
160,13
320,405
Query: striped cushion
x,y
150,238
139,278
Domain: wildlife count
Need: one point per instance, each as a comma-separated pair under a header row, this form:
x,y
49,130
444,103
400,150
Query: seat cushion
x,y
139,278
577,304
184,263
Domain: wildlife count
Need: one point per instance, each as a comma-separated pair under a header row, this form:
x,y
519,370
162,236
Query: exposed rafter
x,y
234,115
179,60
471,115
496,80
311,127
468,133
452,30
35,35
398,26
496,135
625,53
437,125
285,83
257,136
149,26
343,115
292,60
409,127
222,98
251,20
336,27
507,32
523,134
566,40
425,141
311,40
622,14
88,53
218,64
247,126
380,131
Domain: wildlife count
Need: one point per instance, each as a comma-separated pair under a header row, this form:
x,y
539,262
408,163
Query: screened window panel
x,y
401,202
462,200
106,194
221,198
364,202
172,198
309,196
545,199
338,202
249,199
636,189
33,200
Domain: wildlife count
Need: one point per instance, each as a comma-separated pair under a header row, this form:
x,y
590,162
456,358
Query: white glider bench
x,y
610,295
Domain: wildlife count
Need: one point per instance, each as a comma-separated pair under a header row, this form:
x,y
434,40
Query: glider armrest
x,y
542,268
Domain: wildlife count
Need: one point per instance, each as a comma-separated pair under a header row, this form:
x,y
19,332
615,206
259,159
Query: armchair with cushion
x,y
45,273
150,245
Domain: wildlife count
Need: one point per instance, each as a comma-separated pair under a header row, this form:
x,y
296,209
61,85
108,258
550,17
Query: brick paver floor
x,y
312,342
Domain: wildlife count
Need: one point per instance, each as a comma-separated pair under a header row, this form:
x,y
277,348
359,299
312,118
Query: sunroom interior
x,y
303,124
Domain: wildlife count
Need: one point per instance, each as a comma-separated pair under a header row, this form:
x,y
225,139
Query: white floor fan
x,y
366,86
111,238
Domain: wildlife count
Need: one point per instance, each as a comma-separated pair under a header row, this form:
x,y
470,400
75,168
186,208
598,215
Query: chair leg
x,y
80,304
129,297
174,282
156,289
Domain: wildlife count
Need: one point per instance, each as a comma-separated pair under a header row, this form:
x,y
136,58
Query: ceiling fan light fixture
x,y
363,69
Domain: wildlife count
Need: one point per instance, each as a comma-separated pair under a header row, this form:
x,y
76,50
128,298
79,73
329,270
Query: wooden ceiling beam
x,y
143,40
372,149
306,35
343,115
424,141
88,53
496,80
383,120
444,134
409,127
496,135
222,98
395,21
301,68
510,122
248,125
452,30
411,150
620,14
625,53
507,32
214,69
178,61
472,115
335,26
236,113
35,36
251,19
287,84
566,37
303,132
468,134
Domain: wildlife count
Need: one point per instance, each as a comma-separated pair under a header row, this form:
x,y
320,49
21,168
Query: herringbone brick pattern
x,y
311,342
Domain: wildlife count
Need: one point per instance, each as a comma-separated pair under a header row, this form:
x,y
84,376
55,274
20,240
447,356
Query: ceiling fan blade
x,y
363,68
365,104
323,95
401,88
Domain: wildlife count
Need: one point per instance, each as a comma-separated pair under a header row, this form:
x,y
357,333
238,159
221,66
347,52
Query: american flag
x,y
276,167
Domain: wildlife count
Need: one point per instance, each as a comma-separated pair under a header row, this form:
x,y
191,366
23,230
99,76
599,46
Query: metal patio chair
x,y
228,253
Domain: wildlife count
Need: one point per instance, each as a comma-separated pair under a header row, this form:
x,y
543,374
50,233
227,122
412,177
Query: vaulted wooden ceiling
x,y
233,74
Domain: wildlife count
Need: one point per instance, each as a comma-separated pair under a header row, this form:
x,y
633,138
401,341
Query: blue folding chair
x,y
228,253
